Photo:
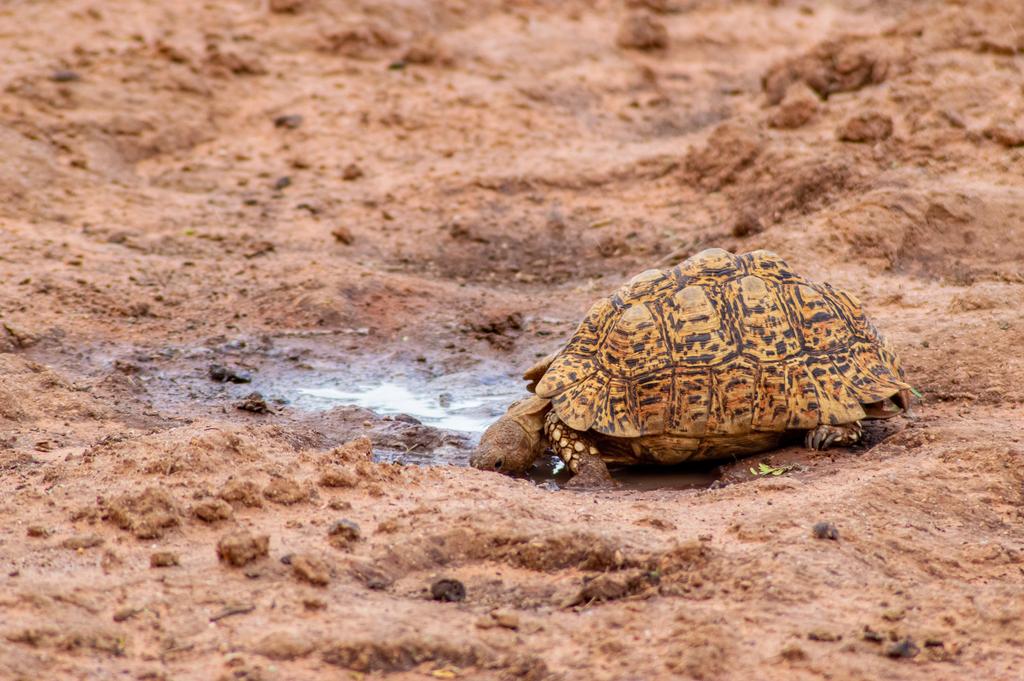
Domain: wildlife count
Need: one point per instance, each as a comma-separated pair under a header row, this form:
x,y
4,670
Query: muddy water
x,y
466,400
467,405
466,413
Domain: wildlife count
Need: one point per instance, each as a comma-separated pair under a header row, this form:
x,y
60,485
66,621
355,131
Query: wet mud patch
x,y
411,416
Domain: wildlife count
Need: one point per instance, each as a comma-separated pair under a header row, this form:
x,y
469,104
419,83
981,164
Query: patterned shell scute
x,y
694,326
766,331
767,265
720,345
635,345
821,327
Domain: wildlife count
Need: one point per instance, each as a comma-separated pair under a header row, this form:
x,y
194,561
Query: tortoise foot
x,y
824,436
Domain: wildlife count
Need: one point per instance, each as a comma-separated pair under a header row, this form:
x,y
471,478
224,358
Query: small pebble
x,y
904,648
824,530
282,182
289,121
448,590
224,374
64,76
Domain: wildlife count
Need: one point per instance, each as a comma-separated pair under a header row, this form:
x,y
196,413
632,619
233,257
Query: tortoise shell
x,y
720,345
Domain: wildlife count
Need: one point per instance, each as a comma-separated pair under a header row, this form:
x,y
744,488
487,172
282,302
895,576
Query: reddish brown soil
x,y
463,179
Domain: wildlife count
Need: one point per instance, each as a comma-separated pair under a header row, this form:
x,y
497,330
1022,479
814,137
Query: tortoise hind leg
x,y
824,436
579,453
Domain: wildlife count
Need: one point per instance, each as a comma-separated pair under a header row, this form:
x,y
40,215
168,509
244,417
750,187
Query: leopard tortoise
x,y
719,356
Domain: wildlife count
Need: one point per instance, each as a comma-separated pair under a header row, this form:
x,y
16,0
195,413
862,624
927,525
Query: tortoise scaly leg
x,y
579,453
824,436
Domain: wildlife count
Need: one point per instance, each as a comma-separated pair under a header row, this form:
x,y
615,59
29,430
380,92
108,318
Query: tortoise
x,y
720,356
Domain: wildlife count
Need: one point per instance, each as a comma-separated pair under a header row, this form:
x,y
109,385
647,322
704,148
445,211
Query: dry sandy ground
x,y
305,186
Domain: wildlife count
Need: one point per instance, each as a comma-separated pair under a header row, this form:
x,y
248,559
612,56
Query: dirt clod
x,y
641,31
309,568
611,587
793,653
240,548
146,515
866,128
338,476
286,6
505,618
285,491
359,449
372,576
255,403
343,533
747,223
729,150
284,645
448,590
160,559
797,110
245,492
845,64
82,541
213,510
351,172
343,235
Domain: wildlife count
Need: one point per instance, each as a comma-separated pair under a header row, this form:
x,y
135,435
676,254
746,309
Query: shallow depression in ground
x,y
468,406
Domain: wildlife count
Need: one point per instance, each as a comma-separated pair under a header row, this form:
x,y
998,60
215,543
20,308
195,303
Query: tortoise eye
x,y
498,463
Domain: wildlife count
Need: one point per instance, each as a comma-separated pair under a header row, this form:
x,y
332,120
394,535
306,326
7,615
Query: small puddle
x,y
464,414
467,405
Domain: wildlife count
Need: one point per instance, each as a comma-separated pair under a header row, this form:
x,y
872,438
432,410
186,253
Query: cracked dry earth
x,y
300,189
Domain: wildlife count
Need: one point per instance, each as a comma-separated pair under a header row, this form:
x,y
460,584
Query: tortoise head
x,y
512,443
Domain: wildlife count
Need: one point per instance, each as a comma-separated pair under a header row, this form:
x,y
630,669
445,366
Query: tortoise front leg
x,y
824,436
579,453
